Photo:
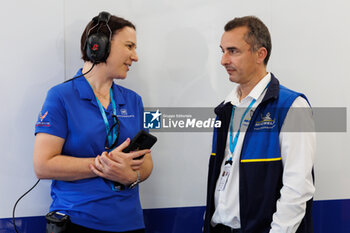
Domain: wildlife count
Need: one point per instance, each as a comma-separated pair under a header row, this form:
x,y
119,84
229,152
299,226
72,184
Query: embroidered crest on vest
x,y
266,122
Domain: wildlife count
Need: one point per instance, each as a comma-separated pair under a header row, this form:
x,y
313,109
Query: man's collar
x,y
273,89
259,88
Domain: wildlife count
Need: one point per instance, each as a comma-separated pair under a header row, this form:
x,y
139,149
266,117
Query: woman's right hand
x,y
119,166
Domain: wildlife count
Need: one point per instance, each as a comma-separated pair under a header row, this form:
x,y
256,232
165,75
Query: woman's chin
x,y
120,76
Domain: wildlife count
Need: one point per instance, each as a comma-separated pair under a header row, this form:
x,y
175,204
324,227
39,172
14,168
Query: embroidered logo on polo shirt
x,y
42,117
43,120
124,113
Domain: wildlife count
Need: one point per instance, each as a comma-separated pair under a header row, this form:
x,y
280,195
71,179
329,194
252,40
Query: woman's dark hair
x,y
258,34
115,23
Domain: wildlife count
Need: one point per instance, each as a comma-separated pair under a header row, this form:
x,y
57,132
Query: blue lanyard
x,y
111,136
233,141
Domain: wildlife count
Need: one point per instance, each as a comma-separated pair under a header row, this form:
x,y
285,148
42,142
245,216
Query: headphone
x,y
97,45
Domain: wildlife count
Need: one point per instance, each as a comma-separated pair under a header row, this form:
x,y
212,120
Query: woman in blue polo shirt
x,y
84,125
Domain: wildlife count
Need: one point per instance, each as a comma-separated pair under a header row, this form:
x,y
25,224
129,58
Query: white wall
x,y
31,60
179,65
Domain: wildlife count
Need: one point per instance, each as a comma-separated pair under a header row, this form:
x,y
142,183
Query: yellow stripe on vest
x,y
259,160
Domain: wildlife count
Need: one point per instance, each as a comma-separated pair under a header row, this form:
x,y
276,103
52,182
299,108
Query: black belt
x,y
219,228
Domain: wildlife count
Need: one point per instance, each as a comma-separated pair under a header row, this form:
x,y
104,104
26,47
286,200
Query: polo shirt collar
x,y
85,91
118,95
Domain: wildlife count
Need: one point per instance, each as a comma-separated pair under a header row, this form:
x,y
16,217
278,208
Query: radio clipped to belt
x,y
56,222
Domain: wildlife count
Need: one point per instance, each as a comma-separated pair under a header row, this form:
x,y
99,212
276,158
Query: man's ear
x,y
262,53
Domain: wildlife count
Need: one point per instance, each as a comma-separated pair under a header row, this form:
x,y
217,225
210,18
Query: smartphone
x,y
142,140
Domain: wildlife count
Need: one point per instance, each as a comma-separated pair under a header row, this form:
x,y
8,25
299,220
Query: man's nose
x,y
225,59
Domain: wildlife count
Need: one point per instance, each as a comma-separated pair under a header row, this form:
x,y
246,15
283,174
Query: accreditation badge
x,y
224,176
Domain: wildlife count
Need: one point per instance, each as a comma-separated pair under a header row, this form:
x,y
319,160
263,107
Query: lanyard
x,y
233,141
111,136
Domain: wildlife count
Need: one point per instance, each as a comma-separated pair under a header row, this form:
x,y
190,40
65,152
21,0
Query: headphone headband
x,y
104,17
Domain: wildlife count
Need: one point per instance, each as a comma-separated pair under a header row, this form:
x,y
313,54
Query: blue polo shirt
x,y
71,112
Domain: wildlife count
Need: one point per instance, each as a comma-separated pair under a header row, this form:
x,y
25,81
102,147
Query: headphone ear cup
x,y
97,47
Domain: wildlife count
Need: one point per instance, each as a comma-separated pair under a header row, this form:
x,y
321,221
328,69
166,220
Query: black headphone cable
x,y
14,207
93,65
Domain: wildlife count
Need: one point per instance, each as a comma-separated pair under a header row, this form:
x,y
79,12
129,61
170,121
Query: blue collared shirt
x,y
71,112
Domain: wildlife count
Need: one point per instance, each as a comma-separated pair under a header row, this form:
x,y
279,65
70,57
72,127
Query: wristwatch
x,y
138,180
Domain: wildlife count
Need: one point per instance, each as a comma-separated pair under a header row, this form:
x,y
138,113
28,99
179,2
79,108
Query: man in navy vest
x,y
261,167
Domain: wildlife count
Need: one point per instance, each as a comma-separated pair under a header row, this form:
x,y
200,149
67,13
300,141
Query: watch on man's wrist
x,y
138,180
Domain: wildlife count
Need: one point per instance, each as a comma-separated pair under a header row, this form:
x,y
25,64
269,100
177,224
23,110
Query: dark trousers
x,y
74,228
219,228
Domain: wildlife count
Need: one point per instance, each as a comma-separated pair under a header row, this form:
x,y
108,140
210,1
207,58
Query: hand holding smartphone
x,y
142,140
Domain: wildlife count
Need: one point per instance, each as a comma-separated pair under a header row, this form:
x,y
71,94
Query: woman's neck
x,y
100,83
